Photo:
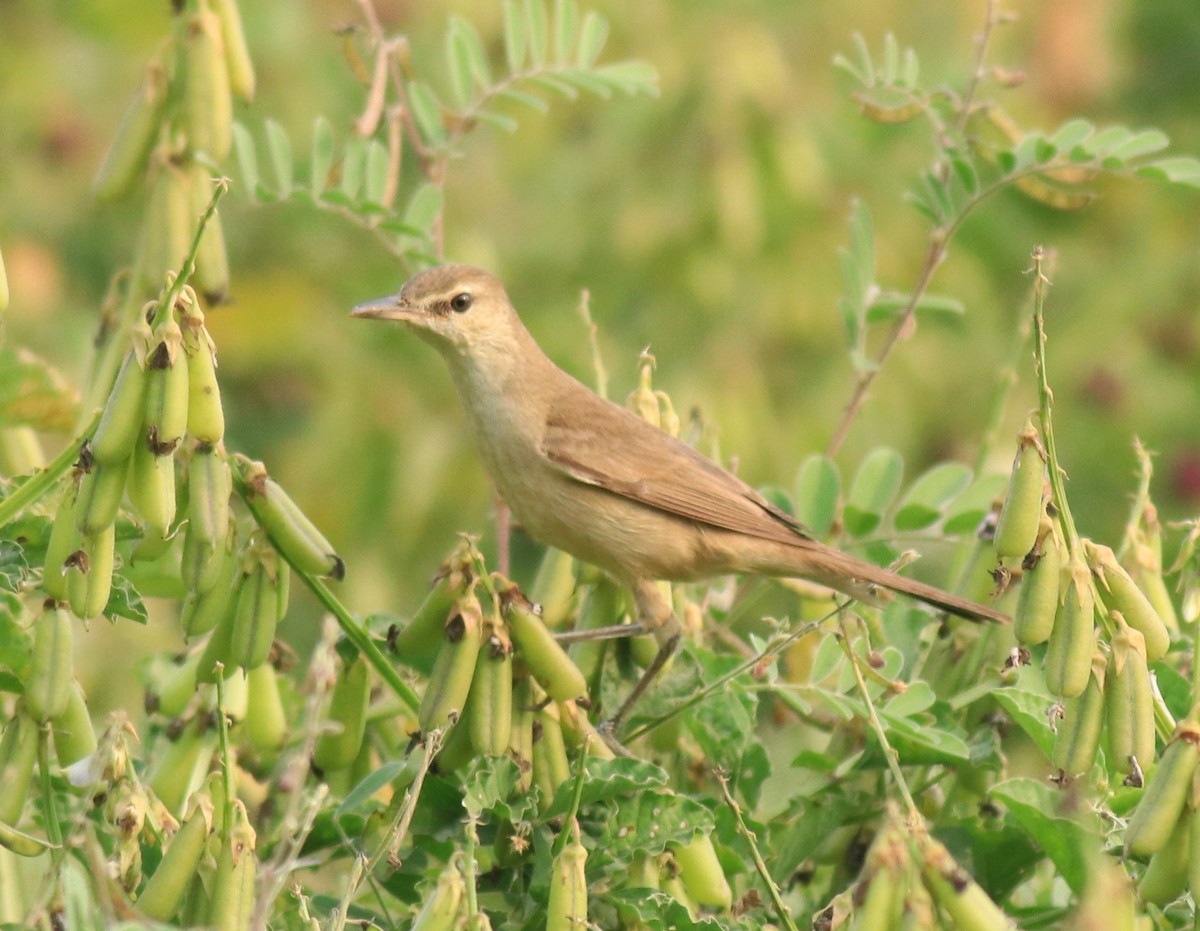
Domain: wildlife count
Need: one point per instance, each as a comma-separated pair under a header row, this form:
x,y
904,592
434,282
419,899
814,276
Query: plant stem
x,y
785,917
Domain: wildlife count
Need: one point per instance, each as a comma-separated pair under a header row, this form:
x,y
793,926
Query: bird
x,y
591,478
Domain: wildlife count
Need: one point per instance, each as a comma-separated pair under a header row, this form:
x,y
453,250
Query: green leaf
x,y
499,120
424,207
537,32
888,305
427,112
280,147
631,77
964,169
1180,169
891,59
1071,134
1068,839
592,36
33,393
514,36
354,162
377,173
874,486
586,80
247,158
817,488
14,570
322,156
1028,708
1107,139
458,64
477,59
928,496
865,66
533,101
969,509
911,72
125,601
370,784
609,780
566,22
554,82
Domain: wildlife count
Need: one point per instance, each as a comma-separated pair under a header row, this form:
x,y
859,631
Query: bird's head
x,y
459,309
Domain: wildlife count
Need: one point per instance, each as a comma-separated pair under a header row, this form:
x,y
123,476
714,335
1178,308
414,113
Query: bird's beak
x,y
384,308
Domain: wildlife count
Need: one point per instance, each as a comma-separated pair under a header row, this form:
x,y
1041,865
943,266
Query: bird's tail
x,y
861,580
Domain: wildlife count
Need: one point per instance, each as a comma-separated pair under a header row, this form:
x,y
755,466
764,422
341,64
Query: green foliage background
x,y
705,224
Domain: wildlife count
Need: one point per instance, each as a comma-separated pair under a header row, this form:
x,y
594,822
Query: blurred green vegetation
x,y
705,224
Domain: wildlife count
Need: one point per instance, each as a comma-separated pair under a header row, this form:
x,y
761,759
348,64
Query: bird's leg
x,y
655,616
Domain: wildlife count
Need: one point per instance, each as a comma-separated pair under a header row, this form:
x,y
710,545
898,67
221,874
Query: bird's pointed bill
x,y
384,308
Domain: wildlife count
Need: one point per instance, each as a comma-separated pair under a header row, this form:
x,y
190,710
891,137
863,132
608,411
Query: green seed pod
x,y
51,671
151,489
1193,815
122,417
551,768
22,844
489,702
580,733
266,721
567,907
256,612
1038,599
236,698
212,262
347,707
203,609
209,486
237,54
1129,701
166,391
1166,877
200,564
879,896
454,668
100,494
164,891
1078,735
219,646
1073,640
127,155
294,535
90,572
553,587
207,103
520,739
1017,528
457,749
167,233
444,904
701,874
18,753
64,540
206,417
547,660
1165,793
232,905
601,606
955,890
1120,594
74,735
417,643
183,765
177,685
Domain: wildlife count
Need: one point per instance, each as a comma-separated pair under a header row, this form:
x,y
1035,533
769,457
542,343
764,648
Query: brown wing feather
x,y
605,445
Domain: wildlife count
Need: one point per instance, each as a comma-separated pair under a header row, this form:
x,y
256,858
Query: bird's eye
x,y
461,303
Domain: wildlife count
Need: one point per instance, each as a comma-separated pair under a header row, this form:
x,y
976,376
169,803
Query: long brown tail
x,y
850,575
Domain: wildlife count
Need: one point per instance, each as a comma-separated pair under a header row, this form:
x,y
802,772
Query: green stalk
x,y
33,489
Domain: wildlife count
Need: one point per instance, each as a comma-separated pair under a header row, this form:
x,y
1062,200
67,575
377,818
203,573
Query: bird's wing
x,y
602,444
